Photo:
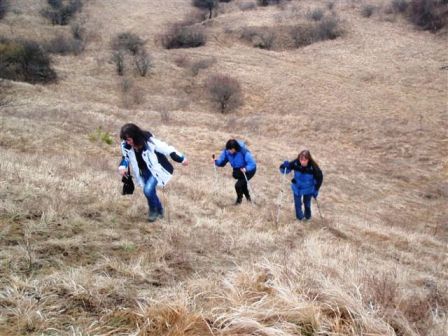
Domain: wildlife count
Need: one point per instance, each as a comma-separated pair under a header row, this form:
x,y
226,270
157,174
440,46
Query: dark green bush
x,y
429,14
180,35
26,61
3,8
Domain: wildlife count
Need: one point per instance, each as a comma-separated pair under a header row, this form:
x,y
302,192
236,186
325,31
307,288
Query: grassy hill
x,y
77,258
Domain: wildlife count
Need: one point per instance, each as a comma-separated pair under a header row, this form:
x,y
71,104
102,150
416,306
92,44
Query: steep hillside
x,y
77,258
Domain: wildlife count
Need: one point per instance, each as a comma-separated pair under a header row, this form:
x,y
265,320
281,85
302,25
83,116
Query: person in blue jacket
x,y
242,162
306,182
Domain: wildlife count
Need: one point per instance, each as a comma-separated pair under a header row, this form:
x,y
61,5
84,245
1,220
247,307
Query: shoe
x,y
238,200
248,199
153,215
161,213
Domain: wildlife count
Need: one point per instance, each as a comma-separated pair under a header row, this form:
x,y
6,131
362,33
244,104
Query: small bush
x,y
264,3
224,91
201,64
399,6
210,5
330,5
429,14
327,29
128,42
63,46
5,100
260,37
3,8
25,61
142,62
101,136
60,14
182,36
367,11
316,14
244,6
118,59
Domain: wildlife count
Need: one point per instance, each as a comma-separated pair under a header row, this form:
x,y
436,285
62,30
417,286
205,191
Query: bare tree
x,y
118,59
143,62
225,91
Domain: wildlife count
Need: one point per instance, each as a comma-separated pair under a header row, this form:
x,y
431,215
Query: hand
x,y
284,165
185,162
122,170
243,170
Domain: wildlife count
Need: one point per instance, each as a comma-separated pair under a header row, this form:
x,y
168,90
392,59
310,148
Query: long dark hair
x,y
233,144
136,133
307,155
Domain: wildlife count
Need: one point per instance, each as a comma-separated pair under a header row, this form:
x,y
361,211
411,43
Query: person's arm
x,y
318,177
286,167
124,163
250,161
222,160
165,149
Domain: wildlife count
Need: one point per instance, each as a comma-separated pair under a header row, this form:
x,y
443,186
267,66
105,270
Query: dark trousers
x,y
241,184
298,205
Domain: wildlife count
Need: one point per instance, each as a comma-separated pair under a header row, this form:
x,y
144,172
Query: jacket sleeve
x,y
286,167
124,163
318,177
167,150
250,161
222,160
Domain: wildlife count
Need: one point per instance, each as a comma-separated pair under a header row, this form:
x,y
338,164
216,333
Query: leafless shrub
x,y
118,59
63,45
244,6
315,15
259,37
264,3
143,63
198,65
5,99
3,8
303,35
225,91
180,35
25,61
330,5
429,15
128,42
399,6
367,10
328,29
61,14
209,5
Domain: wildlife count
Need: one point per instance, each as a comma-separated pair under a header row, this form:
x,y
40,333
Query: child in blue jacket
x,y
242,162
306,182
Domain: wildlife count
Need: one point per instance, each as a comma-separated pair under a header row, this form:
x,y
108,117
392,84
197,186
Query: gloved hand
x,y
284,165
316,193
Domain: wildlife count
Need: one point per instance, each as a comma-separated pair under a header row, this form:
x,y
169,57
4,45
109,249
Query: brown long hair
x,y
307,155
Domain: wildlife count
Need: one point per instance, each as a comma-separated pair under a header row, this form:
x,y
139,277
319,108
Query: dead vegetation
x,y
77,258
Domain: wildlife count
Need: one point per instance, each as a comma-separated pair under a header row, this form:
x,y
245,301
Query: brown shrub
x,y
225,91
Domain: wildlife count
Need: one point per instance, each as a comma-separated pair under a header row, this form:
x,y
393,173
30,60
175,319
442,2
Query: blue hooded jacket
x,y
241,159
307,180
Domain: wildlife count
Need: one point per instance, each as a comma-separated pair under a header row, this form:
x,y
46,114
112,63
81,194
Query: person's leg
x,y
298,206
249,175
239,185
150,191
307,204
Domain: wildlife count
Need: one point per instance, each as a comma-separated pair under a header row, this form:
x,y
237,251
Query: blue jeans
x,y
298,206
150,191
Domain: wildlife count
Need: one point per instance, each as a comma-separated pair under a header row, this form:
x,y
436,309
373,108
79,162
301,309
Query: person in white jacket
x,y
147,157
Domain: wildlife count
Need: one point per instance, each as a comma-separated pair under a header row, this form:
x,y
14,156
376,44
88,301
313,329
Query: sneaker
x,y
153,215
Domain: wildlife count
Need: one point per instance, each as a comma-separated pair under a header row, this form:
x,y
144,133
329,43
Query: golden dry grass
x,y
77,258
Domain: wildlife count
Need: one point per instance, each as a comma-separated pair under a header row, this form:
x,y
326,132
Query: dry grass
x,y
77,258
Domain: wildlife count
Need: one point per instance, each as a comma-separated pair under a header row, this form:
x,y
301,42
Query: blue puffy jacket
x,y
241,159
307,180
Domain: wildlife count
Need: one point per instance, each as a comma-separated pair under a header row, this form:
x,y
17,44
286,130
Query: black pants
x,y
241,184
